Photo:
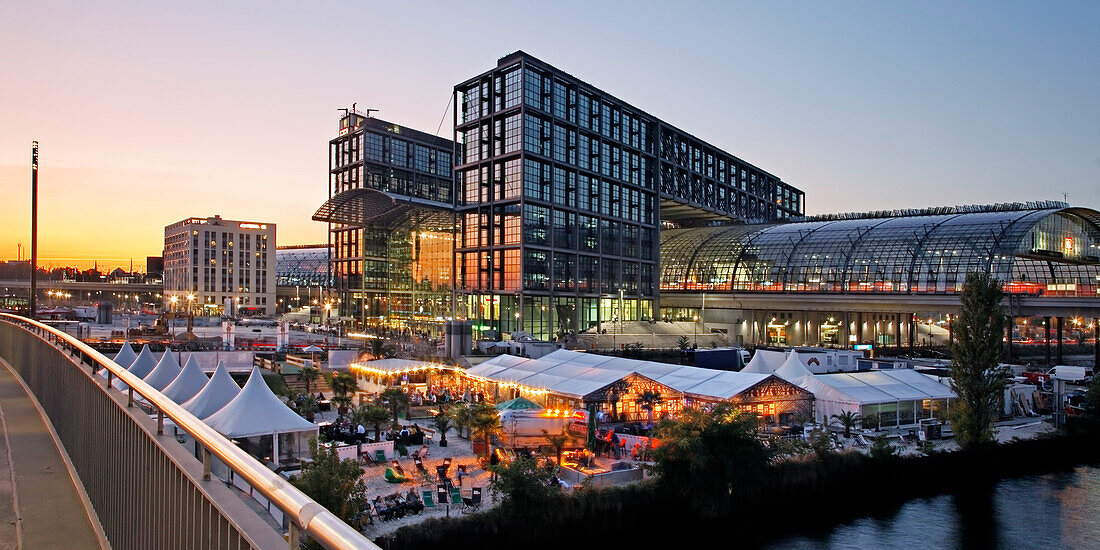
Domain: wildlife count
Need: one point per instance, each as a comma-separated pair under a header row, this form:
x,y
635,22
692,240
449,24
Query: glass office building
x,y
561,194
391,220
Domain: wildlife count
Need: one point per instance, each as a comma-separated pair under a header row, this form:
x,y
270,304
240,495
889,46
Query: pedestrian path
x,y
40,505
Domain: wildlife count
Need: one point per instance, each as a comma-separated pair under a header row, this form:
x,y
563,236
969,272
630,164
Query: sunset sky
x,y
151,112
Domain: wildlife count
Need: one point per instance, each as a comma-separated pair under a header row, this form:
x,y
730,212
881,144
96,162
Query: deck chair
x,y
901,439
380,456
428,498
922,436
441,493
456,497
862,441
475,499
447,463
420,468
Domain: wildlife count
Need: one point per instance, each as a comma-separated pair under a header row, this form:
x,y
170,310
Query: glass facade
x,y
1041,248
392,272
562,192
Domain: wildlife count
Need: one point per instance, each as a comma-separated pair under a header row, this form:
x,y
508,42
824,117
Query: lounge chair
x,y
456,497
392,476
428,498
380,456
476,499
862,441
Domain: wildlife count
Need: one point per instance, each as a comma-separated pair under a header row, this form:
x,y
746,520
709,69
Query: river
x,y
1052,511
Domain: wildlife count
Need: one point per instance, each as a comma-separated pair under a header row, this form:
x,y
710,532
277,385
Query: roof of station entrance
x,y
1044,248
373,208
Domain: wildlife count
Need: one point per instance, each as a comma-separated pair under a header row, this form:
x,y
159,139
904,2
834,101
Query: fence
x,y
146,489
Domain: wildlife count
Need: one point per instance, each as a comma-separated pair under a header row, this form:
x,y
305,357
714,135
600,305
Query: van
x,y
1071,374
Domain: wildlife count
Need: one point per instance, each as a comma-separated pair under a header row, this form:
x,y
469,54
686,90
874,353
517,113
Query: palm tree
x,y
343,383
308,375
343,403
379,349
848,420
370,414
396,400
648,401
461,416
442,422
307,407
484,422
557,442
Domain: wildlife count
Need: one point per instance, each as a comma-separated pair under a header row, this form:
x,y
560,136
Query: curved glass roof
x,y
302,266
1052,249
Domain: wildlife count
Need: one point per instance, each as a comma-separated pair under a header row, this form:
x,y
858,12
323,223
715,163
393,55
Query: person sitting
x,y
413,503
461,473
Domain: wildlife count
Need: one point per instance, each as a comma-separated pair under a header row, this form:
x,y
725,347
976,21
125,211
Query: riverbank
x,y
792,496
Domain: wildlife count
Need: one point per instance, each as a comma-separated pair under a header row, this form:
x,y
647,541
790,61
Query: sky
x,y
151,112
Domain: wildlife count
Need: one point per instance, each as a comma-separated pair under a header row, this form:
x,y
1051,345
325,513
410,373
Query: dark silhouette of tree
x,y
976,347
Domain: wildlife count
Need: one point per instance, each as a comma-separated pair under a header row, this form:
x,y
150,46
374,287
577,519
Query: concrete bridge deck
x,y
41,506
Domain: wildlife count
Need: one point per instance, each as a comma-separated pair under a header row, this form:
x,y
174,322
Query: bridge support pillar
x,y
1061,323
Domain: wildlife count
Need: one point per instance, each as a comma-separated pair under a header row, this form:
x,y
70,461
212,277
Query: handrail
x,y
319,523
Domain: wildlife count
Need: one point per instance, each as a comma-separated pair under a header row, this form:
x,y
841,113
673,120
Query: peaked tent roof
x,y
219,390
579,374
167,369
793,369
189,383
141,367
764,361
877,386
256,411
125,356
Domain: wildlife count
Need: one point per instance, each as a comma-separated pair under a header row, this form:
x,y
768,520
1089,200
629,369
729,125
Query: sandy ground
x,y
459,450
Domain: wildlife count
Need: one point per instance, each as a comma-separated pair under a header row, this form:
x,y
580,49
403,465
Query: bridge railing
x,y
146,489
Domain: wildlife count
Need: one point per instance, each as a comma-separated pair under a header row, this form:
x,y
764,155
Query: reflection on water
x,y
1051,511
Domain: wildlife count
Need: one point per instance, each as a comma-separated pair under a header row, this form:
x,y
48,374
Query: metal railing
x,y
145,488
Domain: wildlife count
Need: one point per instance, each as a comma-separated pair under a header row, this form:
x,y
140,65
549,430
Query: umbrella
x,y
312,350
518,404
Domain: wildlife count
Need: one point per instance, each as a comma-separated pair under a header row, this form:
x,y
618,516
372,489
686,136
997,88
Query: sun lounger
x,y
380,456
428,498
862,441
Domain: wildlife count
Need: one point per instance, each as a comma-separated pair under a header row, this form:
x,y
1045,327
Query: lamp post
x,y
695,330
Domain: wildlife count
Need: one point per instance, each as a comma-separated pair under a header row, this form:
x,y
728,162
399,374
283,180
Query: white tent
x,y
167,369
257,412
764,361
793,369
125,356
900,392
219,390
141,367
190,382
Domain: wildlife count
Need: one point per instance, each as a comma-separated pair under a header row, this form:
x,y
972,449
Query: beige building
x,y
214,266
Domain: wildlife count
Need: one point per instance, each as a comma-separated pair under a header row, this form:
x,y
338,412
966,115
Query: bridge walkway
x,y
40,504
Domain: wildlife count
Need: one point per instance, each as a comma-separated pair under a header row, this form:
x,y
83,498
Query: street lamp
x,y
695,330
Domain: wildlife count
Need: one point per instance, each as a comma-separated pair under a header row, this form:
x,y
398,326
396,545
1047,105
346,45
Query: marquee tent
x,y
167,369
256,411
793,369
219,390
765,361
893,397
141,367
125,356
190,382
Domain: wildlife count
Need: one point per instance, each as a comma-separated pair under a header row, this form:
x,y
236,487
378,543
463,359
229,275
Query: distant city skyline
x,y
147,114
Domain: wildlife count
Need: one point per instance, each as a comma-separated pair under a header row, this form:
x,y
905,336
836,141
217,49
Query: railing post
x,y
205,464
160,421
293,535
110,377
130,391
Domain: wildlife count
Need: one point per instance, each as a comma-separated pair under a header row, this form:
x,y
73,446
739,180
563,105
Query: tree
x,y
881,448
370,414
442,422
524,485
307,406
343,384
396,400
976,348
821,443
648,401
484,422
557,443
308,375
708,455
379,349
333,483
848,420
461,416
683,343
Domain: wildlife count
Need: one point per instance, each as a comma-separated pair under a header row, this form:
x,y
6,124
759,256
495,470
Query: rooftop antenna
x,y
1065,197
